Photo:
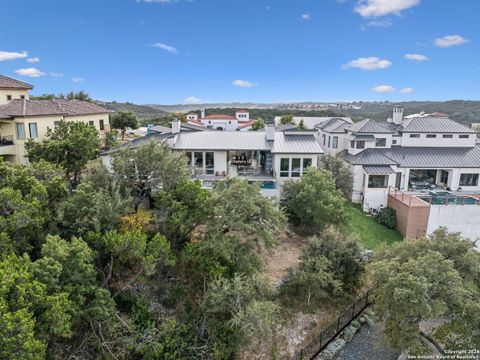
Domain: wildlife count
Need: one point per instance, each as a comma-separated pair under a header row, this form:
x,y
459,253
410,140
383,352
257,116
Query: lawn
x,y
370,233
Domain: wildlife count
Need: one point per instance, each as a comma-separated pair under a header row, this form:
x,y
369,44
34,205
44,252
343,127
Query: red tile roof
x,y
245,124
219,117
242,111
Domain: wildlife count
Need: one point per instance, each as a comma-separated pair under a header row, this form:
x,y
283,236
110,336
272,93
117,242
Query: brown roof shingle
x,y
9,83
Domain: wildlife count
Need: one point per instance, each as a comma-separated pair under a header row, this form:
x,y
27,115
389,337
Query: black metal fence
x,y
336,327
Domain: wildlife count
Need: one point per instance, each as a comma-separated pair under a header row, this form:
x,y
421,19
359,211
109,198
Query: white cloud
x,y
9,55
165,47
33,59
56,74
30,72
243,83
407,90
416,57
450,40
368,63
306,16
77,79
381,23
383,89
193,100
374,8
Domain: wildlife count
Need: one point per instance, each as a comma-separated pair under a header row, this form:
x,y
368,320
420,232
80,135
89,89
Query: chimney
x,y
203,113
175,126
270,132
397,115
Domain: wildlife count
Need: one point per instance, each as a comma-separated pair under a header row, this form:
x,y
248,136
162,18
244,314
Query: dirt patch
x,y
283,256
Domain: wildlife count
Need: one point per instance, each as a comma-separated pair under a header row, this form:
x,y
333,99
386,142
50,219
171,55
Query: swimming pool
x,y
450,200
266,185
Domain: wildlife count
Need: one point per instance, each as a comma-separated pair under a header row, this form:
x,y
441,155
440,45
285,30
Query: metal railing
x,y
6,140
321,341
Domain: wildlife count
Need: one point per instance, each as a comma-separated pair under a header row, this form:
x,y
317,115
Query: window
x,y
444,177
9,97
463,136
352,144
33,131
296,167
91,123
380,142
189,158
20,127
414,135
284,167
431,136
324,139
447,136
394,142
198,159
335,142
306,164
468,179
360,144
209,163
329,141
377,181
22,97
101,123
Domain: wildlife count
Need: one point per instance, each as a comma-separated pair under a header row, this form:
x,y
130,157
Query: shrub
x,y
332,349
387,216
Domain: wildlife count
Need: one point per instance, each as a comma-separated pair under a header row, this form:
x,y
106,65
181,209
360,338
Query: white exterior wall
x,y
16,94
439,141
220,159
342,143
358,180
276,164
455,179
376,197
457,218
227,125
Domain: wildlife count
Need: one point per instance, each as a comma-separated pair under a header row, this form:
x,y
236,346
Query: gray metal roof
x,y
378,170
335,125
296,144
430,124
364,138
222,140
420,157
373,127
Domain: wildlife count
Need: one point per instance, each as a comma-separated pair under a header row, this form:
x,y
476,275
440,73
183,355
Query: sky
x,y
195,51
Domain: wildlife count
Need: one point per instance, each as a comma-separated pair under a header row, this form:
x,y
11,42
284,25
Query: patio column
x,y
406,179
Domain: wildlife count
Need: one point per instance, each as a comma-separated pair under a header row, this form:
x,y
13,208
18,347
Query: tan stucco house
x,y
22,118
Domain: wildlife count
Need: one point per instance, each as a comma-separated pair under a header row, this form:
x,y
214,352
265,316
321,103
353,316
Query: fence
x,y
336,327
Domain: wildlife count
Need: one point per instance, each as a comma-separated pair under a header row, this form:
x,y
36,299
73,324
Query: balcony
x,y
7,147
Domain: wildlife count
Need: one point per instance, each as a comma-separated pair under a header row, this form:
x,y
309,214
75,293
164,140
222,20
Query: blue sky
x,y
170,52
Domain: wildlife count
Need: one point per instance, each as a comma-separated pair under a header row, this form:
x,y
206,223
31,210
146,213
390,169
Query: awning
x,y
378,170
364,138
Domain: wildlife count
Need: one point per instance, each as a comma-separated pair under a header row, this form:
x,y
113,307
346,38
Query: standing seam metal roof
x,y
431,124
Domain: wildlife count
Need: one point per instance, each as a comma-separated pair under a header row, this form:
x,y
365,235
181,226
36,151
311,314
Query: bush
x,y
332,349
387,216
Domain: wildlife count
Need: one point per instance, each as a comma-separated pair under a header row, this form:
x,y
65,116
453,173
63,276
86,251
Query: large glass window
x,y
468,179
296,167
189,158
20,127
284,167
335,142
198,159
306,164
444,177
33,131
209,163
377,181
380,142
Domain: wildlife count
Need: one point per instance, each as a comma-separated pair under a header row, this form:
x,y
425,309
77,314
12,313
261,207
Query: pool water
x,y
266,185
450,200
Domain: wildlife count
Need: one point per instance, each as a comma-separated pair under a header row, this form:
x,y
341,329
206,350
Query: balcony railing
x,y
6,140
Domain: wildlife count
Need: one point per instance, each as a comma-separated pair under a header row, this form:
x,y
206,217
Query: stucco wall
x,y
16,94
439,141
412,221
456,218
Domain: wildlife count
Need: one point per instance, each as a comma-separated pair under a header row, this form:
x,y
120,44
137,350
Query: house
x,y
310,122
267,158
240,122
22,118
425,166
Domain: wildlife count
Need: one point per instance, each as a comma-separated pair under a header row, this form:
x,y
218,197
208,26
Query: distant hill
x,y
464,111
143,112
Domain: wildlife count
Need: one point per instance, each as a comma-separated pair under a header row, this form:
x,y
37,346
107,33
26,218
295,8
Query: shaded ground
x,y
367,344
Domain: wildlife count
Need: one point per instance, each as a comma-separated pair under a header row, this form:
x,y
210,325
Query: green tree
x,y
110,139
80,95
286,119
149,170
427,279
341,174
313,200
258,124
122,120
301,124
71,145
